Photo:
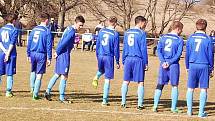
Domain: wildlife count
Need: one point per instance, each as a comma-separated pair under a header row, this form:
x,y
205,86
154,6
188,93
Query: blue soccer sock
x,y
124,91
37,87
0,80
52,83
32,80
157,96
174,97
62,88
106,90
140,95
9,83
98,74
189,101
202,101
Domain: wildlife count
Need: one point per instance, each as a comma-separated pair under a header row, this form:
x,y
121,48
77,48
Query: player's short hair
x,y
112,19
212,33
175,25
139,19
80,19
201,24
10,17
44,16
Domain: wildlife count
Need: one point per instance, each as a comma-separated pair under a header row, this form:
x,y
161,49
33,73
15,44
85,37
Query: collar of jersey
x,y
202,32
111,28
10,24
42,25
135,27
173,33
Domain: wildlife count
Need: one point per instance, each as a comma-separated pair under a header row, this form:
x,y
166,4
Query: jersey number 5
x,y
36,36
168,44
5,36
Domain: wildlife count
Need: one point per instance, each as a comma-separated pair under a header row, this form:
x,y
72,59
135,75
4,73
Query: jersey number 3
x,y
105,39
168,44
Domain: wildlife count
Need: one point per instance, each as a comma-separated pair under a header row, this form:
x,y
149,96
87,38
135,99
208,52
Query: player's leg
x,y
189,97
204,85
52,82
174,78
124,91
162,80
10,71
140,93
32,81
62,88
106,90
99,73
37,86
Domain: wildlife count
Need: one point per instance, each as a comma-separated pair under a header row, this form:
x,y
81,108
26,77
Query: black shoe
x,y
140,107
123,106
66,101
47,96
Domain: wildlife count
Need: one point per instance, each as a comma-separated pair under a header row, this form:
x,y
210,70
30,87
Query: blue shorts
x,y
134,69
9,67
198,76
38,62
62,63
172,73
106,66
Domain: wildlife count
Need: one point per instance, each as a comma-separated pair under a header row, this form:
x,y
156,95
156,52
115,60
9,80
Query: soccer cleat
x,y
105,104
155,109
34,97
203,115
32,91
47,96
95,82
9,94
66,101
123,106
140,107
176,110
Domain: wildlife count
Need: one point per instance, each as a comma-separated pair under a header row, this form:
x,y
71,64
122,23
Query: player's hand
x,y
164,65
55,55
48,62
211,74
146,68
118,66
29,59
6,58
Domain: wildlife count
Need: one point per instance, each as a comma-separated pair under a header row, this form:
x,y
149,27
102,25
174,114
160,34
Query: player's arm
x,y
116,48
98,44
30,39
49,47
13,41
178,54
124,48
187,55
211,56
2,47
65,41
144,49
160,51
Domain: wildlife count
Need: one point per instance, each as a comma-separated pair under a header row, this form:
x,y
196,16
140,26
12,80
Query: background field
x,y
87,100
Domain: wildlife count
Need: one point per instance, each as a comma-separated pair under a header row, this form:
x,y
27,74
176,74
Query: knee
x,y
160,87
141,84
39,76
64,77
126,82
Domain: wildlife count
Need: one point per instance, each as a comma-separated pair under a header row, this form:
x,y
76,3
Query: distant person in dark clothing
x,y
53,27
19,26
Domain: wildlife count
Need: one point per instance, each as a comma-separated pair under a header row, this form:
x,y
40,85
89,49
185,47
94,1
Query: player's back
x,y
67,40
106,42
39,36
134,42
168,45
9,36
199,46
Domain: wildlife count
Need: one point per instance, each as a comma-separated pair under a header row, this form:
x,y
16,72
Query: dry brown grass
x,y
87,100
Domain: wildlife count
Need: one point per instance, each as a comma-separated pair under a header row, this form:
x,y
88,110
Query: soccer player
x,y
8,38
135,60
107,47
39,51
170,47
199,64
62,56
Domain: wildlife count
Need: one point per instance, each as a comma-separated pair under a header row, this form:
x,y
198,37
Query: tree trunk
x,y
61,15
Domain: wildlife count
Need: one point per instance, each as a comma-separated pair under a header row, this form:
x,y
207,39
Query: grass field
x,y
87,100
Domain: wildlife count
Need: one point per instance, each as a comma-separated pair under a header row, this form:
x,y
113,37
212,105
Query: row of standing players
x,y
199,59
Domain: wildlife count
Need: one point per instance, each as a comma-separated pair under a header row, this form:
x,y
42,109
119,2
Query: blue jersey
x,y
213,39
107,43
67,41
8,36
40,41
135,45
169,48
199,50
